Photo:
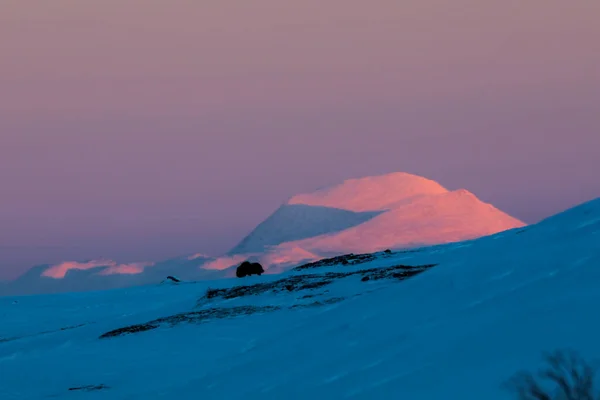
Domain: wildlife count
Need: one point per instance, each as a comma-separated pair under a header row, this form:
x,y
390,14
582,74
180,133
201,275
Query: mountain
x,y
455,320
397,210
369,214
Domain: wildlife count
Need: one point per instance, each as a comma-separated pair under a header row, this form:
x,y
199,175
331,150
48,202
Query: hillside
x,y
454,320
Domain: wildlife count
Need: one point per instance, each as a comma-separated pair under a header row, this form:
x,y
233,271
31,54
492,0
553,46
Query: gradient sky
x,y
140,130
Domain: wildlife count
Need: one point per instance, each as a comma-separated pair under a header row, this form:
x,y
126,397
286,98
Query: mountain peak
x,y
395,210
372,193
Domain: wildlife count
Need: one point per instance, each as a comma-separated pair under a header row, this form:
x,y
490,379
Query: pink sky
x,y
137,130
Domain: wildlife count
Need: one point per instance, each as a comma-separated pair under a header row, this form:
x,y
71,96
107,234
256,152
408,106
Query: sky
x,y
144,129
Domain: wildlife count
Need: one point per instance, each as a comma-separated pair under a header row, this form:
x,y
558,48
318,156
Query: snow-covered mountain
x,y
369,214
447,321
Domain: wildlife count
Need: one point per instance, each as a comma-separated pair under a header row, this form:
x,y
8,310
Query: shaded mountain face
x,y
293,222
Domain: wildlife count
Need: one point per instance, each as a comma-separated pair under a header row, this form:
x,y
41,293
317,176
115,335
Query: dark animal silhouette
x,y
172,278
247,268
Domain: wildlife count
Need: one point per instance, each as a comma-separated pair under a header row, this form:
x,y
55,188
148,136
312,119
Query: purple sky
x,y
140,130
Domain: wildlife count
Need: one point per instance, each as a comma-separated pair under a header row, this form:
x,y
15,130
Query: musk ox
x,y
247,268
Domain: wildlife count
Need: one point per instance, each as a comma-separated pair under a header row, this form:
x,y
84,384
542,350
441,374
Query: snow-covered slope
x,y
351,330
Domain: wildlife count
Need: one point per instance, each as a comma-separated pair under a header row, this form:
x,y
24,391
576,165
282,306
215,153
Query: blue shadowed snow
x,y
458,330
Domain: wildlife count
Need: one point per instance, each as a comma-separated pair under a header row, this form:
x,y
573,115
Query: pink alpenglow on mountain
x,y
424,220
59,271
371,193
397,210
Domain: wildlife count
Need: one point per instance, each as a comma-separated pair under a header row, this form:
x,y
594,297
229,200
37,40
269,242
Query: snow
x,y
371,193
442,218
458,330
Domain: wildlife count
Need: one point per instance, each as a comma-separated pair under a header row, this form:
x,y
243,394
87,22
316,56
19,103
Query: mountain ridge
x,y
358,215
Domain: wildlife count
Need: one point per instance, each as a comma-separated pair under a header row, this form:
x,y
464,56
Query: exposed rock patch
x,y
190,317
317,303
347,259
351,259
294,283
89,388
297,283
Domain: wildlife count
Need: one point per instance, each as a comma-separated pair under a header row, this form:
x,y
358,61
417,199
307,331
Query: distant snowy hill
x,y
395,211
448,321
104,274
